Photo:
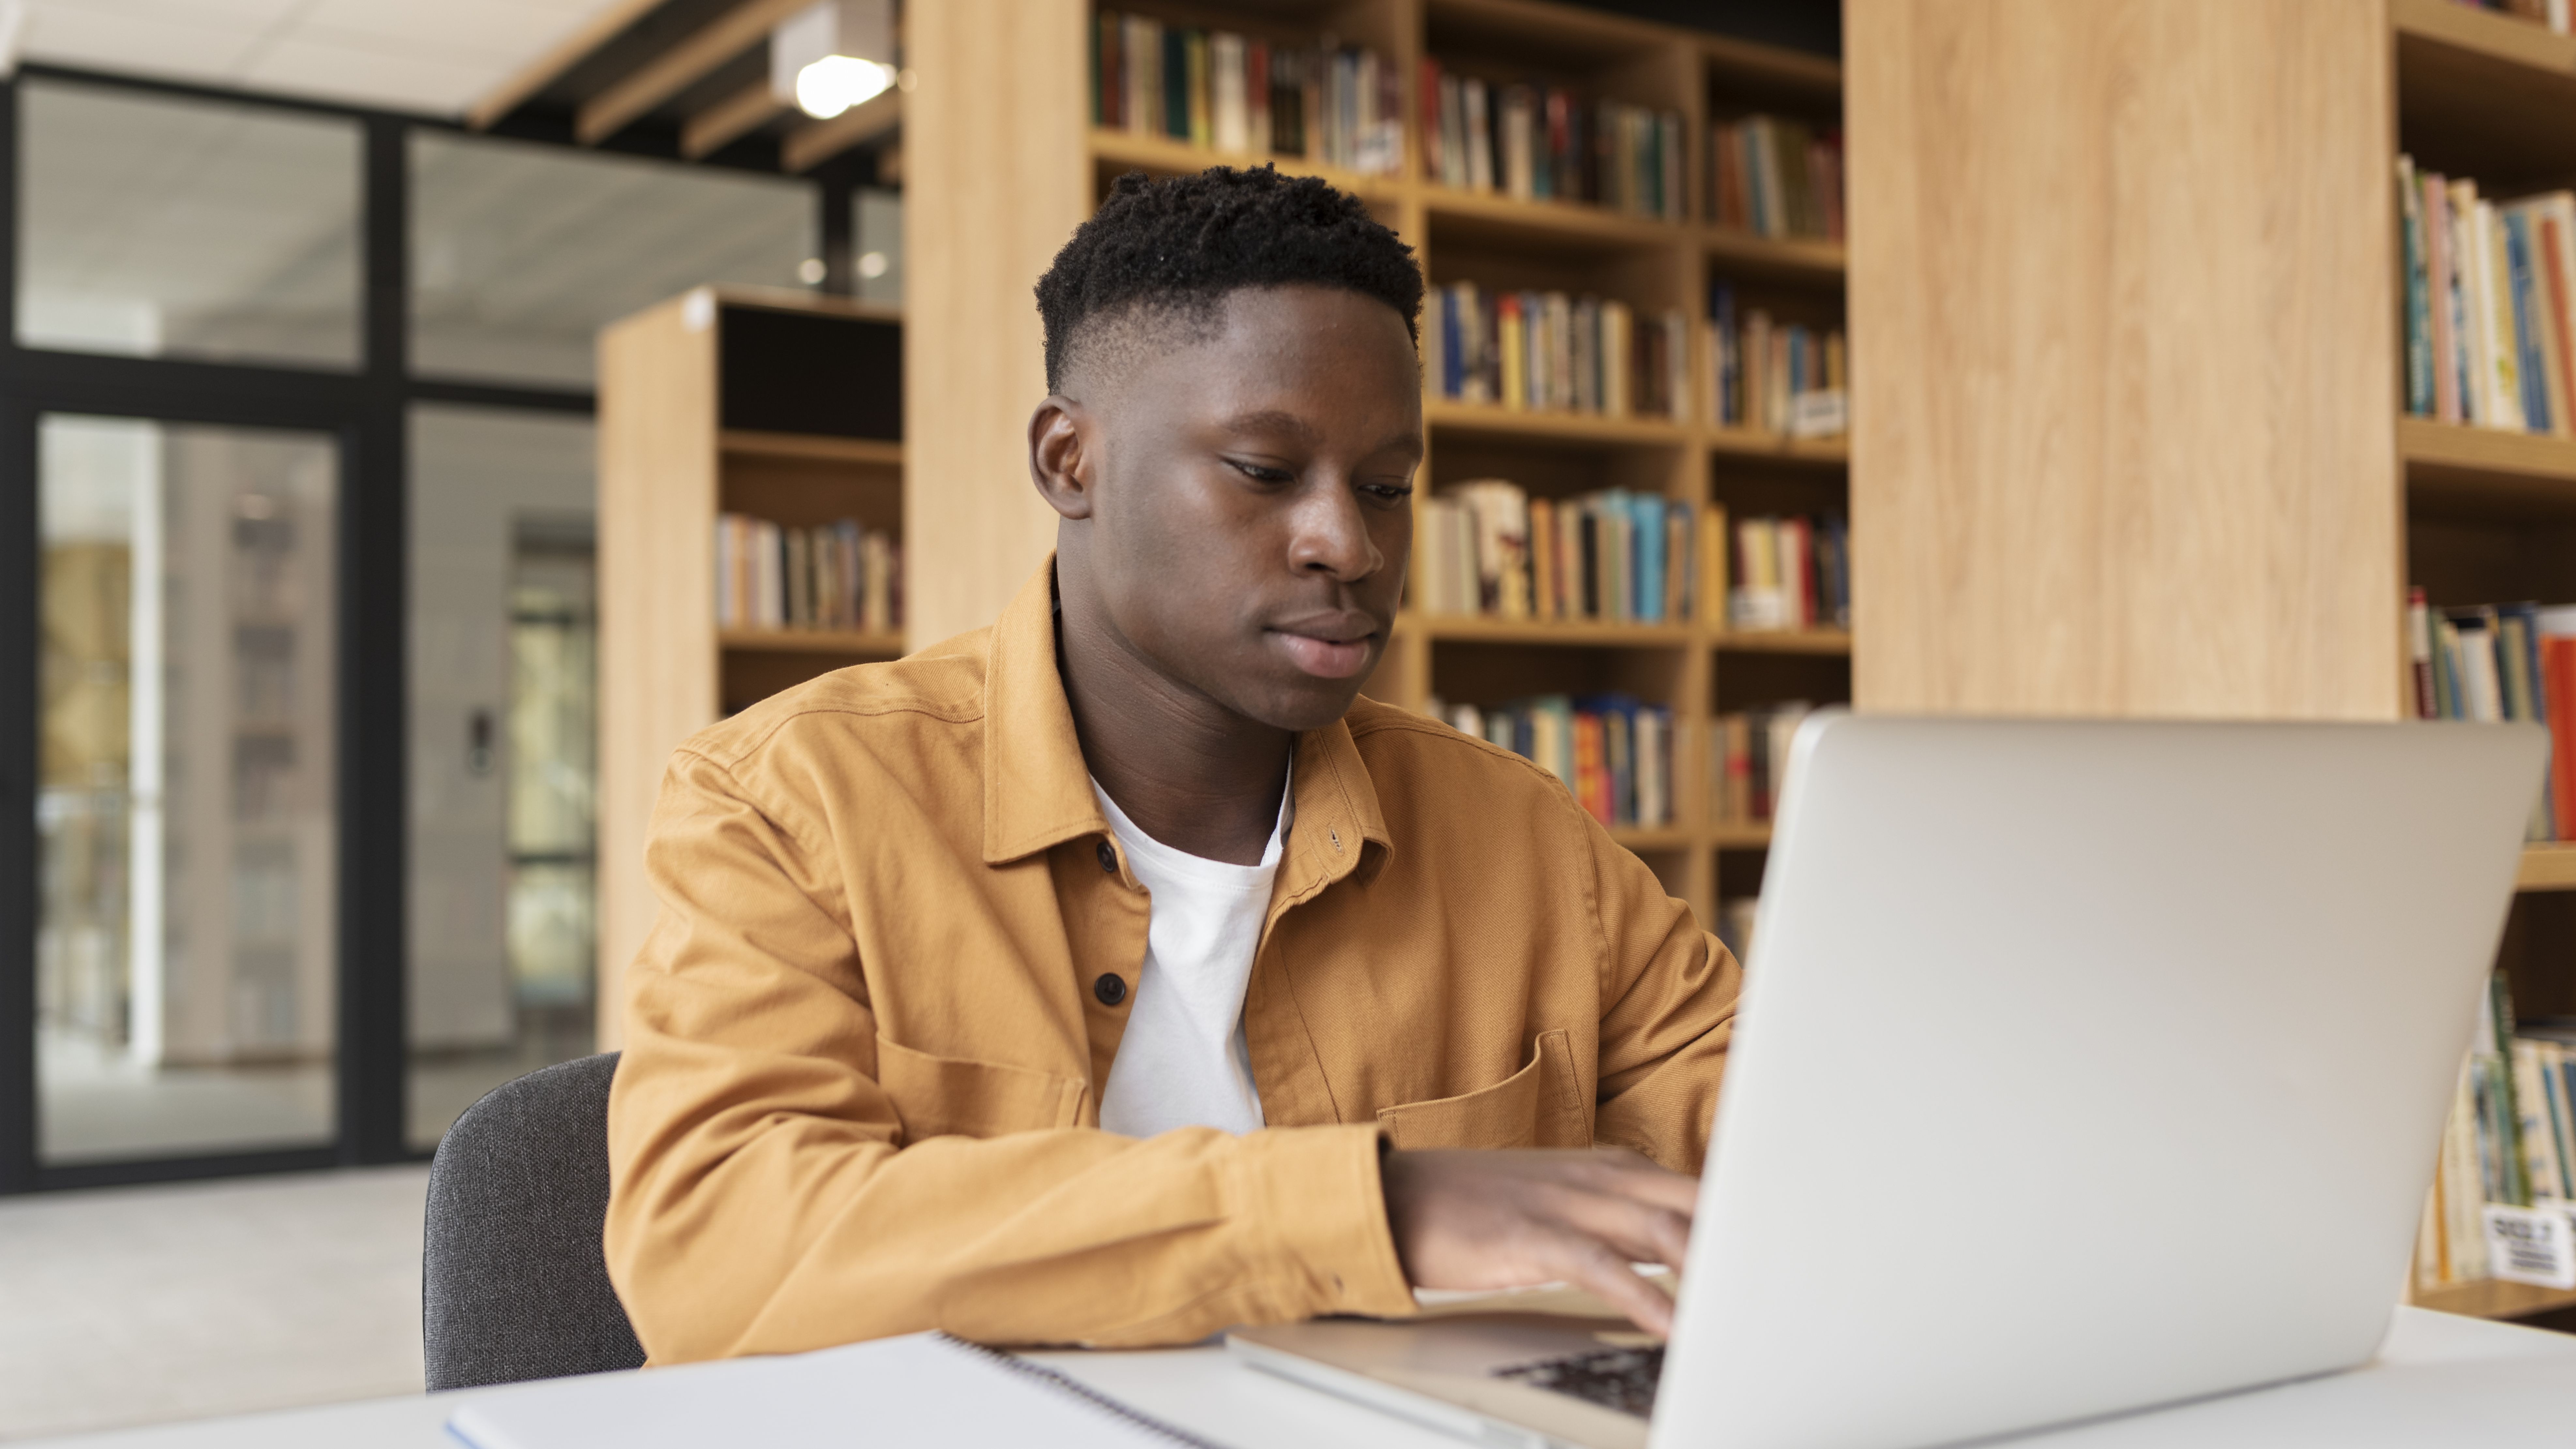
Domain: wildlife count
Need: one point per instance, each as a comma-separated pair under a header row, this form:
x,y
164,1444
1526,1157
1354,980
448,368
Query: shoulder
x,y
1406,744
932,692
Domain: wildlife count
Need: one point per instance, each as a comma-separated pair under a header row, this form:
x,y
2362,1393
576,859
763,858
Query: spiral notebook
x,y
925,1389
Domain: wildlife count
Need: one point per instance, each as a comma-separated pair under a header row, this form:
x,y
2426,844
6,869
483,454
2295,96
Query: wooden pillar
x,y
2124,358
996,176
657,657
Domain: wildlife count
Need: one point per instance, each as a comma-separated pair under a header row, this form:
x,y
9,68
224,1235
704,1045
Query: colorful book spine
x,y
1244,96
1613,752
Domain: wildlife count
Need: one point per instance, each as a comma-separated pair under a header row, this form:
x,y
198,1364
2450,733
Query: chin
x,y
1308,704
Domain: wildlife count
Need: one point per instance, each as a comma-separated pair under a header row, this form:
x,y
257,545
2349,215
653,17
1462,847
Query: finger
x,y
1655,1231
1647,1234
1645,1181
1654,1235
1595,1267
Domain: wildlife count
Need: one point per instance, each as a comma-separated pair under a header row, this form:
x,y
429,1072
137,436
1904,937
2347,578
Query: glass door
x,y
187,823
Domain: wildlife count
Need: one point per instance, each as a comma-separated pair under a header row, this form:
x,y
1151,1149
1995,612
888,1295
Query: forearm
x,y
793,1240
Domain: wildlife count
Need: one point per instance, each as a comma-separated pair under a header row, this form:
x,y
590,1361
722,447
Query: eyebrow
x,y
1272,420
1275,420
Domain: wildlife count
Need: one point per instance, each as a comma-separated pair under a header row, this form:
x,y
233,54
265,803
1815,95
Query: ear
x,y
1058,462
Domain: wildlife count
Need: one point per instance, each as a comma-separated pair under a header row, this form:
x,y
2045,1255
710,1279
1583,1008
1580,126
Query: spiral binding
x,y
1080,1390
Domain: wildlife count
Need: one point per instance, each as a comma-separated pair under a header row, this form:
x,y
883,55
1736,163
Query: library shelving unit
x,y
781,405
1698,667
2491,515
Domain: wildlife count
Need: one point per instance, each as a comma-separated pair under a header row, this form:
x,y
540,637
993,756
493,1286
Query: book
x,y
1789,574
1245,96
2488,296
1554,352
1535,141
1775,177
1613,752
1749,750
924,1388
839,575
1770,377
2510,1138
2493,663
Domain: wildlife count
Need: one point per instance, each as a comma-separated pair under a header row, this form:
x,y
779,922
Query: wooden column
x,y
2123,319
997,175
657,677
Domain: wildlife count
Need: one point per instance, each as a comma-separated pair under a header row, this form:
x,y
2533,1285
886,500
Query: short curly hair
x,y
1177,247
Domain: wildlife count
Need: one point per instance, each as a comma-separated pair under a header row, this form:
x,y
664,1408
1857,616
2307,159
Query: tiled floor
x,y
141,1304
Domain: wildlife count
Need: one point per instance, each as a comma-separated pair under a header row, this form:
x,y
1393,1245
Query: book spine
x,y
2557,229
2532,393
2419,650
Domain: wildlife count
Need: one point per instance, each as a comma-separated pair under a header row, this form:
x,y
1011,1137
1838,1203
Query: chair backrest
x,y
513,1282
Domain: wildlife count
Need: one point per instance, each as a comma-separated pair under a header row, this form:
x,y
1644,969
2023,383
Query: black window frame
x,y
367,412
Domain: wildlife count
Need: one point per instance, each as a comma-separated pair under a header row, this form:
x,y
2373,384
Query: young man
x,y
1116,974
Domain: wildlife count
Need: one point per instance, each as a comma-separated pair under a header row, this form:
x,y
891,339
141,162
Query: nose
x,y
1329,533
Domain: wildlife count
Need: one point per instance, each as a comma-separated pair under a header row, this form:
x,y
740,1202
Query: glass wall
x,y
876,228
521,253
185,941
502,742
217,964
164,226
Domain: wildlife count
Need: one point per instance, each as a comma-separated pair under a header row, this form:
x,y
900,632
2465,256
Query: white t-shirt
x,y
1182,1060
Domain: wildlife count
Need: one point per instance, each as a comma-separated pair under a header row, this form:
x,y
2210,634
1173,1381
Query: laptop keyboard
x,y
1615,1378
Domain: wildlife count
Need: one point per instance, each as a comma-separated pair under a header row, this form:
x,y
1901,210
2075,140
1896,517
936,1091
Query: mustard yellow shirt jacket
x,y
866,1041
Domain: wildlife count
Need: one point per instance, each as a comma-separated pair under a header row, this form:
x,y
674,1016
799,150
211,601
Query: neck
x,y
1188,771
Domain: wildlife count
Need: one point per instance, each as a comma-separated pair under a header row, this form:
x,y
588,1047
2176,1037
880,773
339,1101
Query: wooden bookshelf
x,y
2493,1299
723,399
2490,515
2547,868
1649,262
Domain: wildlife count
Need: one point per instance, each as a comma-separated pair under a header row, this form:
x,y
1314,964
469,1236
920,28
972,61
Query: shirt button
x,y
1108,861
1109,988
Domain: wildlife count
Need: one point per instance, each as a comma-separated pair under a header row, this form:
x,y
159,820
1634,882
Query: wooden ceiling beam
x,y
719,125
678,68
562,56
816,142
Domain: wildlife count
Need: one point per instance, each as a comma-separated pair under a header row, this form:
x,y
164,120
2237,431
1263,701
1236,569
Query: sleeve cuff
x,y
1317,1189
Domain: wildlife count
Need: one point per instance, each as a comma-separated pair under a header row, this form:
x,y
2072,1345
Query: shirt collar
x,y
1037,790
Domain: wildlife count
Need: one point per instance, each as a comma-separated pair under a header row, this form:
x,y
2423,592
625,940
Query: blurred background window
x,y
521,253
876,225
170,226
185,940
503,732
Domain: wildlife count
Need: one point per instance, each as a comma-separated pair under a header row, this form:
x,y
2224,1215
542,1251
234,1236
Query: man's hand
x,y
1465,1219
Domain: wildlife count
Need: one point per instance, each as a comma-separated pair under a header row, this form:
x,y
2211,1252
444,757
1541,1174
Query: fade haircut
x,y
1168,252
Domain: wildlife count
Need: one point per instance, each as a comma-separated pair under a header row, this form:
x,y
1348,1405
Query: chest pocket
x,y
954,1097
1541,1105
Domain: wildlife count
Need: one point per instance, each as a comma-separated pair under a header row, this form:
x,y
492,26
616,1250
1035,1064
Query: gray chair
x,y
513,1283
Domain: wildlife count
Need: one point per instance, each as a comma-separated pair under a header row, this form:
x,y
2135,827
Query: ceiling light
x,y
872,265
831,56
837,82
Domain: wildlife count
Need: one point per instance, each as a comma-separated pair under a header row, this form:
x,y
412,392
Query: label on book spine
x,y
2535,1245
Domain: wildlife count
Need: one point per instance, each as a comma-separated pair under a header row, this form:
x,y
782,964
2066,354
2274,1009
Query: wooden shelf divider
x,y
748,443
874,644
2493,1298
668,466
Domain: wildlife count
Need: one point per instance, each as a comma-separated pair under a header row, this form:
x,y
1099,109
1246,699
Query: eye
x,y
1260,472
1387,493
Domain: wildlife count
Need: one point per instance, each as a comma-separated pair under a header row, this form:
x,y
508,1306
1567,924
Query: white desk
x,y
2440,1381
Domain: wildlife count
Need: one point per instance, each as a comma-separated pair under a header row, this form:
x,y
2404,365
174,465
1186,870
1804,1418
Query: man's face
x,y
1251,510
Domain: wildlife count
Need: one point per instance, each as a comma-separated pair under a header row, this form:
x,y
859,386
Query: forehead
x,y
1286,336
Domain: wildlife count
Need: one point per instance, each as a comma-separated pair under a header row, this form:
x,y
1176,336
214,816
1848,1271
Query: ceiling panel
x,y
417,55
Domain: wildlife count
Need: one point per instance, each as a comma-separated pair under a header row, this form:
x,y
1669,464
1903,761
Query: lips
x,y
1332,646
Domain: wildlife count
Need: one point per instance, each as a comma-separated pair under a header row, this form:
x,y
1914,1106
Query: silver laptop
x,y
2082,1067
